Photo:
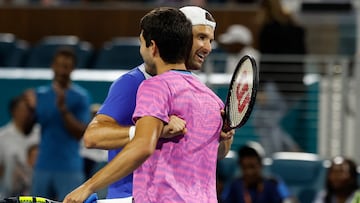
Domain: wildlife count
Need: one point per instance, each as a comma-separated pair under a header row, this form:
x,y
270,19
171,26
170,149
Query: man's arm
x,y
30,100
226,140
104,132
72,124
131,157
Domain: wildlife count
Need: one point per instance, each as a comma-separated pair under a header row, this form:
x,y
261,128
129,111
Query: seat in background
x,y
42,53
304,173
12,50
119,53
216,61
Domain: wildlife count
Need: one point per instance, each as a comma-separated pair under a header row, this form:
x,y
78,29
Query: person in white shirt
x,y
237,42
15,139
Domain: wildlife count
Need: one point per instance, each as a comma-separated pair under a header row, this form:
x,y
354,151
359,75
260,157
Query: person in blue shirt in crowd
x,y
253,186
62,109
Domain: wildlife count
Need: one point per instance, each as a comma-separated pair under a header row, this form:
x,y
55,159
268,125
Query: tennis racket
x,y
93,198
27,199
242,93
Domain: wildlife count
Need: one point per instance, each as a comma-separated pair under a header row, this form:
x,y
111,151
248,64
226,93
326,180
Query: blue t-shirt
x,y
120,105
271,191
59,150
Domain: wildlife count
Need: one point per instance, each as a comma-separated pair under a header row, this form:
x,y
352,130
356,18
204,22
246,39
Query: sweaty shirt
x,y
182,169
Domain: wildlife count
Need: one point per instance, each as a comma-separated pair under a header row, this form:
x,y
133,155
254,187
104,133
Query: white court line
x,y
117,200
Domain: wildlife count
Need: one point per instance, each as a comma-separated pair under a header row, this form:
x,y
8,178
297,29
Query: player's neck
x,y
164,67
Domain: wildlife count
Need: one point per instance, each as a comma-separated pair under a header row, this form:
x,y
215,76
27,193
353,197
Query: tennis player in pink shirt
x,y
180,169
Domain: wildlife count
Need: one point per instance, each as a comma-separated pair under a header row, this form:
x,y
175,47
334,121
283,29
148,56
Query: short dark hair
x,y
171,31
66,51
246,151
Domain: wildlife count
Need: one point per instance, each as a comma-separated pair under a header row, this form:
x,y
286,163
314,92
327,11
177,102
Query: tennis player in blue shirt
x,y
114,118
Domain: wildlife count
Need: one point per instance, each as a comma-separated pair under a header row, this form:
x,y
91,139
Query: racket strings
x,y
240,96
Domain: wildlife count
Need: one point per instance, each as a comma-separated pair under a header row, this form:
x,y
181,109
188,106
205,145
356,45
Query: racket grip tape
x,y
30,199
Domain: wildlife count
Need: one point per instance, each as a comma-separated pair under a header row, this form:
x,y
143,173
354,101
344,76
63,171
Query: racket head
x,y
242,93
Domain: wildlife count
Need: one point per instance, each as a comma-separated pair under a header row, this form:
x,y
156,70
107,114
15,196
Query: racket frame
x,y
252,97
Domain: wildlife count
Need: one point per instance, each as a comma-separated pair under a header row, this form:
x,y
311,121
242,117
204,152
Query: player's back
x,y
120,105
181,169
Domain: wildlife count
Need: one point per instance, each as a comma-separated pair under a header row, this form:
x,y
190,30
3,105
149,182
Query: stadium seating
x,y
42,53
119,53
216,60
12,50
303,173
228,166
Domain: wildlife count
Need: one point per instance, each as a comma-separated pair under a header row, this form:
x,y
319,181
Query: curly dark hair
x,y
171,31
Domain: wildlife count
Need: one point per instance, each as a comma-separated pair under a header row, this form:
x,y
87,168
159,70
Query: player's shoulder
x,y
135,75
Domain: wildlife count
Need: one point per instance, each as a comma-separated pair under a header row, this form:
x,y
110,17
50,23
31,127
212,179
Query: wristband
x,y
131,132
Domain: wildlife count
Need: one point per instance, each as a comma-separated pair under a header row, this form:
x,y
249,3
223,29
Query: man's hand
x,y
175,127
30,98
60,97
79,195
227,135
225,132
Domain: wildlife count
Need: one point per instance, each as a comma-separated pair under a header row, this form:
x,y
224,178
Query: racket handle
x,y
226,126
92,198
10,200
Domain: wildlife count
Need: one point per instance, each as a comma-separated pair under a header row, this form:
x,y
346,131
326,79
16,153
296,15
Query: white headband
x,y
197,16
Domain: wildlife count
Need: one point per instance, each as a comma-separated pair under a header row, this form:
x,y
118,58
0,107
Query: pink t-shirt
x,y
182,169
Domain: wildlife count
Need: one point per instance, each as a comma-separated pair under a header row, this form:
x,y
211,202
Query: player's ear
x,y
154,48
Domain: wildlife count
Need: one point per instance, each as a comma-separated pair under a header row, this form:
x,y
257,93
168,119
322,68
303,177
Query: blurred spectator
x,y
237,42
226,171
62,109
15,138
253,186
341,182
267,115
280,35
23,173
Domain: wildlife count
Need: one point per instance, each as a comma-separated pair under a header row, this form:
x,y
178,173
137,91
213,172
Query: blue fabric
x,y
59,150
59,166
269,193
283,190
92,198
120,105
